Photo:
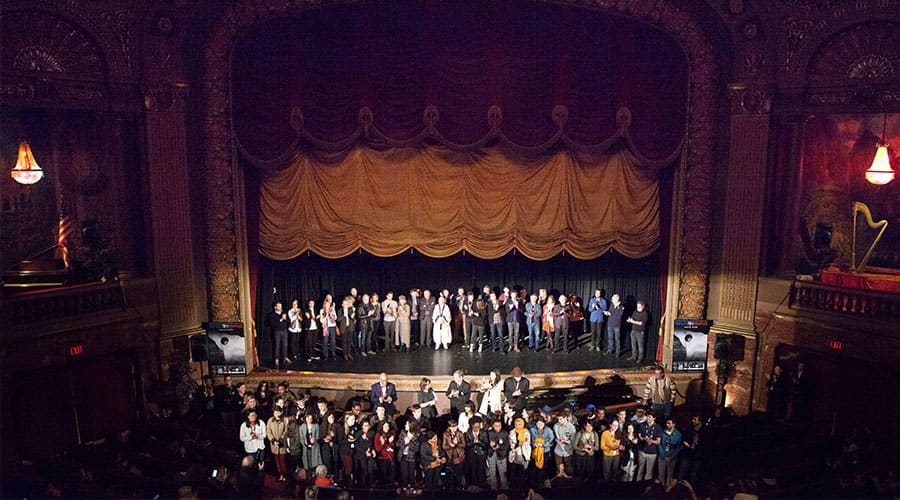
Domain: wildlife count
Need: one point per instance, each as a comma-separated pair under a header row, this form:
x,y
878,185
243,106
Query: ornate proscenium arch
x,y
222,241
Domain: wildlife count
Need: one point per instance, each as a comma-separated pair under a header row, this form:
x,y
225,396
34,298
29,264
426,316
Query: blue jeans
x,y
615,339
534,335
329,343
497,334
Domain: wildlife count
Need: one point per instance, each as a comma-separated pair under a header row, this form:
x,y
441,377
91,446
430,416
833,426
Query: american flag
x,y
62,240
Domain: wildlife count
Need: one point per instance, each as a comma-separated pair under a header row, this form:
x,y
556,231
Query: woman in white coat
x,y
491,395
441,317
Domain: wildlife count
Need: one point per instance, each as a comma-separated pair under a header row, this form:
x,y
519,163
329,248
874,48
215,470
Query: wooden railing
x,y
816,296
61,303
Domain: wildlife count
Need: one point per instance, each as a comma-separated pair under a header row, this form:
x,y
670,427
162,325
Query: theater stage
x,y
545,370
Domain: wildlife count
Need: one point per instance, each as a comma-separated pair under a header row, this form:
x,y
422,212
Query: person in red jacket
x,y
384,454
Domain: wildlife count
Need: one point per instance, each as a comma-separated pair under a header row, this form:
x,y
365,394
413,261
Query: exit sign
x,y
76,350
837,345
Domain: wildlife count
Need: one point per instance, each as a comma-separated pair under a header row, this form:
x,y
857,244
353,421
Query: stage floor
x,y
427,362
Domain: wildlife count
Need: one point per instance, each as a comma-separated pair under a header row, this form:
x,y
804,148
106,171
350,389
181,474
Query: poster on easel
x,y
690,345
227,353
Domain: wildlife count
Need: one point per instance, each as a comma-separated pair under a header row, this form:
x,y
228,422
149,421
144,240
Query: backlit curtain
x,y
441,202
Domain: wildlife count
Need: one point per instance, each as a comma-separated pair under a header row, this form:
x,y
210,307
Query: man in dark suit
x,y
384,392
277,322
516,388
561,325
459,393
426,311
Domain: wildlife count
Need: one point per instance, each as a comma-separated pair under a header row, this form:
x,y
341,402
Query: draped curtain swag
x,y
440,201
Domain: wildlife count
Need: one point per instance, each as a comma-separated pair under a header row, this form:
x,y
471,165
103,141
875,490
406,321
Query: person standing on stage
x,y
456,304
402,337
516,389
496,314
548,322
638,322
442,319
328,319
295,316
376,322
347,328
561,325
311,329
414,328
458,392
513,319
476,314
278,322
533,323
426,313
365,317
389,310
597,308
470,315
614,325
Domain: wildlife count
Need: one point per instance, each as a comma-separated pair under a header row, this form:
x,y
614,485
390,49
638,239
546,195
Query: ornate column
x,y
179,280
734,281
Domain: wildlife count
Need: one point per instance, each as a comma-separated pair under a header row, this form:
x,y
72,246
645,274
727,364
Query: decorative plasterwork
x,y
113,31
218,157
863,54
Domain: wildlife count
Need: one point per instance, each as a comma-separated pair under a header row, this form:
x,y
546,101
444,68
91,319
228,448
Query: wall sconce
x,y
880,172
27,170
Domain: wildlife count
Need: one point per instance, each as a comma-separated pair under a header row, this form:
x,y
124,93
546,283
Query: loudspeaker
x,y
729,347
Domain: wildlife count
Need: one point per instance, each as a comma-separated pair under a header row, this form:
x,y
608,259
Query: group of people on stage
x,y
506,321
498,443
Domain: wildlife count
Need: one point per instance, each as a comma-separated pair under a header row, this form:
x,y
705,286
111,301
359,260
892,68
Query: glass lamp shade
x,y
880,172
27,170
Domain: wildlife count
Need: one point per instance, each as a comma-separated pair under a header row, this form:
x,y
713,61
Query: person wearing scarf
x,y
430,458
519,453
542,439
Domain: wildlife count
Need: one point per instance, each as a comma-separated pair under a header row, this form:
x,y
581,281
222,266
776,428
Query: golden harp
x,y
882,224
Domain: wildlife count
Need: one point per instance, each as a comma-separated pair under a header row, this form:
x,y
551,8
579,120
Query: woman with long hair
x,y
628,456
492,394
586,445
346,443
327,437
264,400
309,436
408,453
431,460
384,453
547,325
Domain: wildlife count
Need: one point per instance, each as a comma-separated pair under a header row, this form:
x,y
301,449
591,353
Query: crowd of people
x,y
506,320
492,441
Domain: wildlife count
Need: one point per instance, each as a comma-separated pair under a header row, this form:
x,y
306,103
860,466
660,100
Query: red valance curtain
x,y
522,75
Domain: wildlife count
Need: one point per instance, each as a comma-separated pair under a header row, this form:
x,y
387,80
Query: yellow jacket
x,y
609,444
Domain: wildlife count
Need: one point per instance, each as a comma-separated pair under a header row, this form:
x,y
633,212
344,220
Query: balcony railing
x,y
61,303
855,302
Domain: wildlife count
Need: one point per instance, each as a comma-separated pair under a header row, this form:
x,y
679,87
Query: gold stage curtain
x,y
441,202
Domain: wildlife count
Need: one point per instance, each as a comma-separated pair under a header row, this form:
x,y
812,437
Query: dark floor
x,y
428,361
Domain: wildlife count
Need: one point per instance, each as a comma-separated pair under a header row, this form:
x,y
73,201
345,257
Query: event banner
x,y
690,345
225,342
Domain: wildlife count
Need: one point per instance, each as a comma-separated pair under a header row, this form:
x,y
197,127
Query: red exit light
x,y
836,345
75,350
